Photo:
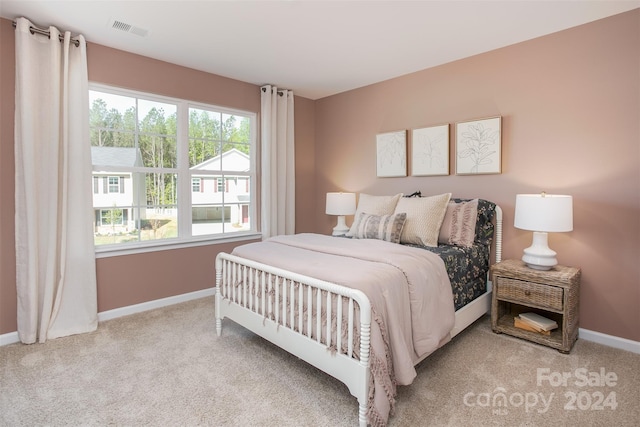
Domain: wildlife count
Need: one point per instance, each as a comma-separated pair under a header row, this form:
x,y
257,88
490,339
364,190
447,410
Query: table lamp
x,y
341,204
542,213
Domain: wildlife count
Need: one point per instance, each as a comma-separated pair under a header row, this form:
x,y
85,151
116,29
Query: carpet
x,y
167,367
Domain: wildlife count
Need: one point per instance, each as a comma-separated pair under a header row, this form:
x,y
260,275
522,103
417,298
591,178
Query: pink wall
x,y
132,279
7,182
570,106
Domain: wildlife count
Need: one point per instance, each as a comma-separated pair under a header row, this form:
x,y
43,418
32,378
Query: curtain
x,y
55,258
278,162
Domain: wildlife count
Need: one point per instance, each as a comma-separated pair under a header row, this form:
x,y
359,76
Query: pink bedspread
x,y
409,291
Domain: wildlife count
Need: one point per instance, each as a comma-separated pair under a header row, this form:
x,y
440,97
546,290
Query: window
x,y
111,217
196,185
166,170
114,184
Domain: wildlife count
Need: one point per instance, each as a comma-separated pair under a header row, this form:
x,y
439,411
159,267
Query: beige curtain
x,y
278,162
55,258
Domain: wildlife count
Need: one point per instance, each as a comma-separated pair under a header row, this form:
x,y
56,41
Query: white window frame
x,y
116,185
185,239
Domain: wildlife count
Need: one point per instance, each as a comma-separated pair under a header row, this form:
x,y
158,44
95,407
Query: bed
x,y
366,308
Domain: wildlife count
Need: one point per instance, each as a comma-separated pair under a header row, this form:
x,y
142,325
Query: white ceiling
x,y
315,48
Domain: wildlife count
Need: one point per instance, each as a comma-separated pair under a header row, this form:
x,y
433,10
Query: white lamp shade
x,y
341,203
544,212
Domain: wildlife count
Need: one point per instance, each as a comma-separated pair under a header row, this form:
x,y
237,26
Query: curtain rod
x,y
36,30
281,93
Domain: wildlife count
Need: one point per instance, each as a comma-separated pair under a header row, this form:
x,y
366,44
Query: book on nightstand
x,y
521,324
535,323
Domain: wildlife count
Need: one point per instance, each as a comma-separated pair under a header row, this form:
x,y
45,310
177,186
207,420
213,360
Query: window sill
x,y
146,247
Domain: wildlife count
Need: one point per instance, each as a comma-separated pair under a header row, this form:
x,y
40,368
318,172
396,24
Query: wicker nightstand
x,y
553,294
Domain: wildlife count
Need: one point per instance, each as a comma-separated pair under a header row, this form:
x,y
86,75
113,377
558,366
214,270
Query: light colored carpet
x,y
167,367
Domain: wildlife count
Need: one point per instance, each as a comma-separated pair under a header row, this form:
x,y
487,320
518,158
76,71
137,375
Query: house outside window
x,y
161,160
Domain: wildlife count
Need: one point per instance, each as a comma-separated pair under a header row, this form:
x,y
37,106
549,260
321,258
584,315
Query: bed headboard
x,y
497,233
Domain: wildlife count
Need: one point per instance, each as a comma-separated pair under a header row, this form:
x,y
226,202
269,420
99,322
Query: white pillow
x,y
424,218
374,205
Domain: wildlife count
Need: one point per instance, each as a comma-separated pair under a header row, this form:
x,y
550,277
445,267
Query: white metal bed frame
x,y
292,326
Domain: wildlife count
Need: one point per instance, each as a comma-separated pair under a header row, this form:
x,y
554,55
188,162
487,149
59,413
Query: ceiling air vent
x,y
127,28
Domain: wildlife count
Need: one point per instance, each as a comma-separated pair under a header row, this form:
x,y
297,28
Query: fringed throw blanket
x,y
409,291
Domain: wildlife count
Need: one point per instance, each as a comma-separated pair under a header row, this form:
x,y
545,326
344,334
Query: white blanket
x,y
409,291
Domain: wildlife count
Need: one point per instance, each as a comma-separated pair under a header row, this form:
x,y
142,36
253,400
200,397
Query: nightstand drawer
x,y
530,293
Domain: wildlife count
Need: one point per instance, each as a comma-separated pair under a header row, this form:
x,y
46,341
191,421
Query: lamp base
x,y
341,228
539,256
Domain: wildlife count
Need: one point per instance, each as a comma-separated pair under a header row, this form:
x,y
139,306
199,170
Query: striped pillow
x,y
374,205
381,227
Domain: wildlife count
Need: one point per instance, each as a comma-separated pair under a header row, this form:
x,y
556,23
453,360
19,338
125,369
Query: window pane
x,y
161,189
113,225
126,157
158,151
223,210
201,150
204,124
235,158
157,117
109,195
113,112
136,174
204,136
215,219
159,222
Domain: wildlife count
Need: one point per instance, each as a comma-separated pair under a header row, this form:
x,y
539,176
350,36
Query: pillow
x,y
459,224
484,221
381,227
375,205
424,218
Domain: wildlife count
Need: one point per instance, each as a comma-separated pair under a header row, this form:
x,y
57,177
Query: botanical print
x,y
478,146
391,149
430,151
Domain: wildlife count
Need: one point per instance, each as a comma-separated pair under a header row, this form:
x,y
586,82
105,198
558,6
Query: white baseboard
x,y
12,337
9,338
585,334
150,305
609,340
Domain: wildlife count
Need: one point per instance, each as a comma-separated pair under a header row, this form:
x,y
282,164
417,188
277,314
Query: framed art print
x,y
479,146
430,151
391,154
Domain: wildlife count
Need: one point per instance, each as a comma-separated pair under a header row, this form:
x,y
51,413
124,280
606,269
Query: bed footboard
x,y
325,324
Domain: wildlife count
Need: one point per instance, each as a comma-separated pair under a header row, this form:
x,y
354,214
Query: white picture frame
x,y
391,154
430,151
479,146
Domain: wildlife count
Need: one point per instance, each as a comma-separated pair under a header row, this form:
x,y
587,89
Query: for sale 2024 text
x,y
601,380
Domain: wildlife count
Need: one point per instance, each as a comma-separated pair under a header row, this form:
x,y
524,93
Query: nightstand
x,y
553,294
